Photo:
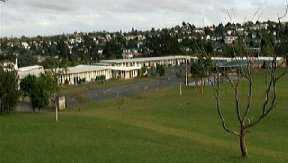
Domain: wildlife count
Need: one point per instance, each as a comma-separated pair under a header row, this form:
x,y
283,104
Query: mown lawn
x,y
153,127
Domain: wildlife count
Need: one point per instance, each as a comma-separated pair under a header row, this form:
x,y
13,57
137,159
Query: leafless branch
x,y
271,89
257,12
250,92
237,102
285,13
216,86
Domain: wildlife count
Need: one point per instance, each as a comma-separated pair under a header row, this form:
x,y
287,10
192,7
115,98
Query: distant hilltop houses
x,y
181,39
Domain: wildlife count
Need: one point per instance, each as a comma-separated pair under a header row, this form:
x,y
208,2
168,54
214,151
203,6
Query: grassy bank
x,y
152,127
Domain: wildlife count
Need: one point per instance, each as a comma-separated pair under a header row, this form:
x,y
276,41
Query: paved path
x,y
169,80
131,89
135,88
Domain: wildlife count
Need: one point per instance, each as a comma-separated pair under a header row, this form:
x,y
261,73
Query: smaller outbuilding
x,y
82,73
120,72
30,70
89,73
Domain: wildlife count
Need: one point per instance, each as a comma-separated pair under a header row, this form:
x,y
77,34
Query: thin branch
x,y
237,99
250,93
258,11
231,82
284,14
270,89
281,75
219,110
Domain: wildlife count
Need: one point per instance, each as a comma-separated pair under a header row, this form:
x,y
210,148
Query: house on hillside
x,y
230,39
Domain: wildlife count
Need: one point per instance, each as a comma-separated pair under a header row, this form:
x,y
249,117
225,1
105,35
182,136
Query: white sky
x,y
45,17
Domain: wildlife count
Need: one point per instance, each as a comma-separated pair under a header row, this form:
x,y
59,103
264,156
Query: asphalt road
x,y
169,80
136,88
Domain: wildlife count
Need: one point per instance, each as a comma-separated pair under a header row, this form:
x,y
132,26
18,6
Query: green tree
x,y
26,59
162,43
40,90
114,48
27,84
39,96
160,69
202,68
267,45
9,92
282,47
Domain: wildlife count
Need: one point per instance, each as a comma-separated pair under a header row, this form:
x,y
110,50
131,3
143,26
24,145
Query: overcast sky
x,y
45,17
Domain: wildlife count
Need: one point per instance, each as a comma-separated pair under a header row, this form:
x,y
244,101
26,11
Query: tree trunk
x,y
0,106
243,146
202,86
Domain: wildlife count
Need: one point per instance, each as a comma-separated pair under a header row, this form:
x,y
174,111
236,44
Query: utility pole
x,y
56,113
186,75
56,102
180,89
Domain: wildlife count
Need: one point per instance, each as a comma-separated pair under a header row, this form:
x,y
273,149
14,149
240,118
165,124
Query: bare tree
x,y
244,73
242,113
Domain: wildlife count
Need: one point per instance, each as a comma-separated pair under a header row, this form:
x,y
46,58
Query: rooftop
x,y
83,68
144,59
121,68
187,57
30,68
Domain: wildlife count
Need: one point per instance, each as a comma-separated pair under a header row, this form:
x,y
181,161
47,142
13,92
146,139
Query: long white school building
x,y
148,62
120,68
115,69
88,73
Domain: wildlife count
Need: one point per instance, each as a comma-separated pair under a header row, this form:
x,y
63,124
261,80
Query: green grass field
x,y
153,127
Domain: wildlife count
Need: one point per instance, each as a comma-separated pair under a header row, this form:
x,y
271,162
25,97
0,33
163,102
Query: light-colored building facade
x,y
125,72
148,62
89,73
82,73
30,70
